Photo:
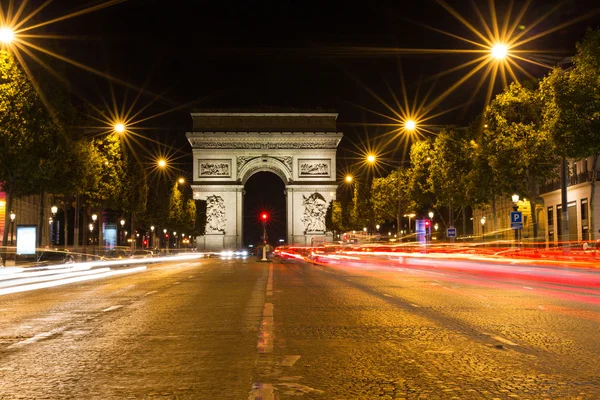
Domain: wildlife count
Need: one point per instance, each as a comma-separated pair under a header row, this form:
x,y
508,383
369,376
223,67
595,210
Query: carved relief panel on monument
x,y
315,208
314,168
214,168
215,215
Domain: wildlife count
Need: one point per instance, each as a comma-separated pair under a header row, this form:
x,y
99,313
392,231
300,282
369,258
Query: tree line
x,y
47,148
515,146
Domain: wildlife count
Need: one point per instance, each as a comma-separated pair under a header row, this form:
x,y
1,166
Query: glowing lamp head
x,y
162,163
410,125
119,127
181,181
349,178
500,51
371,158
6,35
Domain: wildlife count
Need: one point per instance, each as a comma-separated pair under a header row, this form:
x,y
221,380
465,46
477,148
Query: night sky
x,y
291,54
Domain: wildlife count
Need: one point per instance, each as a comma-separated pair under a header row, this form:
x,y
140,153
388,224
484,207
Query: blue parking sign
x,y
516,220
451,232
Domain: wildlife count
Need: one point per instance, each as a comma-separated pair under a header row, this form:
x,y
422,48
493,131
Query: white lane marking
x,y
288,361
505,341
111,308
541,307
527,287
176,283
152,292
387,295
415,305
25,288
38,337
190,277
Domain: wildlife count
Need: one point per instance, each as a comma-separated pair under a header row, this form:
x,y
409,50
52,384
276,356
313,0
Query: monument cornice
x,y
264,140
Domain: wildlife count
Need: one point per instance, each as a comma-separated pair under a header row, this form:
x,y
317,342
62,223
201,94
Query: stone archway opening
x,y
264,191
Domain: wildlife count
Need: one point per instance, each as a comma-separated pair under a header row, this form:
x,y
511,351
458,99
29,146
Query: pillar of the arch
x,y
306,207
224,217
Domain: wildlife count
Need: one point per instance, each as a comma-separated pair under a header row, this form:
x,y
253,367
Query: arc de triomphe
x,y
228,148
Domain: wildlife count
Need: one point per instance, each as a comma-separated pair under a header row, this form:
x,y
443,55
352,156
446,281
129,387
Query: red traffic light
x,y
427,223
264,216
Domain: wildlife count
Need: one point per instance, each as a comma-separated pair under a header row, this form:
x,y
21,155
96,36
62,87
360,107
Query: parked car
x,y
142,254
54,257
115,254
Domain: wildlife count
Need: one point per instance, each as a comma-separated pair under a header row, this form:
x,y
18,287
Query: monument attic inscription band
x,y
228,148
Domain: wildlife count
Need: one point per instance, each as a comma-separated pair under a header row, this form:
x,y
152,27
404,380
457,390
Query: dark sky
x,y
296,54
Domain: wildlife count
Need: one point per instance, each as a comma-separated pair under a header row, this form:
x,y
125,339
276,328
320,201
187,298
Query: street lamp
x,y
119,127
410,125
122,222
166,241
91,227
500,51
12,227
152,235
7,35
162,163
482,220
349,178
181,181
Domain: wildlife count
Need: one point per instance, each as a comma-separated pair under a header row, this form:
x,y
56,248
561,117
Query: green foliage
x,y
176,217
519,150
391,197
134,188
333,217
572,101
449,169
418,186
190,216
361,214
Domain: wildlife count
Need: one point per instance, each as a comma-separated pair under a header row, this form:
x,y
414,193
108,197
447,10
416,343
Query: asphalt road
x,y
233,329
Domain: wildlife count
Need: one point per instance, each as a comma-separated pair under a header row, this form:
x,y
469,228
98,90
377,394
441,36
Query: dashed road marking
x,y
505,341
527,287
387,295
38,337
112,308
150,293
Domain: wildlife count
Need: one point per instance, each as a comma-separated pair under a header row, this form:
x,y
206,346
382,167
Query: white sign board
x,y
26,240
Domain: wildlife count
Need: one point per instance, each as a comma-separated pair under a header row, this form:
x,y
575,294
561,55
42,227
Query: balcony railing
x,y
572,180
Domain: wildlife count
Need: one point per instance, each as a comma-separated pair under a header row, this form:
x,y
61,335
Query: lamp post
x,y
152,235
482,220
515,200
166,241
431,221
122,222
436,226
12,227
91,226
175,240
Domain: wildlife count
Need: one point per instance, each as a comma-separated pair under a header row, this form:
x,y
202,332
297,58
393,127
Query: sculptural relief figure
x,y
315,208
214,169
215,215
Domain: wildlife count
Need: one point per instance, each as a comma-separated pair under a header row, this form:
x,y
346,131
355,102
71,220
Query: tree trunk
x,y
100,231
66,218
494,214
533,218
41,220
7,223
592,199
464,220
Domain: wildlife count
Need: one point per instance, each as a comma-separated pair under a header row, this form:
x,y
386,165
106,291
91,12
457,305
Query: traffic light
x,y
264,217
427,223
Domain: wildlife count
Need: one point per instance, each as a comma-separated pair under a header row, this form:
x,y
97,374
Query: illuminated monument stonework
x,y
228,148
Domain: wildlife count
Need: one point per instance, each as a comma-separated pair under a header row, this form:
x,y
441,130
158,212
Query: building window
x,y
584,210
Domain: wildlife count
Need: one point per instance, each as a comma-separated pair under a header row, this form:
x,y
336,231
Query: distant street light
x,y
162,163
119,127
349,178
410,125
411,215
181,181
371,158
500,51
54,210
515,200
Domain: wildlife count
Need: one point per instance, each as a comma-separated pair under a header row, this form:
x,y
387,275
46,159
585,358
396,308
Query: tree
x,y
418,186
572,108
390,196
175,206
190,216
450,168
520,151
34,143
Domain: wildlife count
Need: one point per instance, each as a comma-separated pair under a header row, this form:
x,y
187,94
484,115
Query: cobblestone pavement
x,y
409,334
233,329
